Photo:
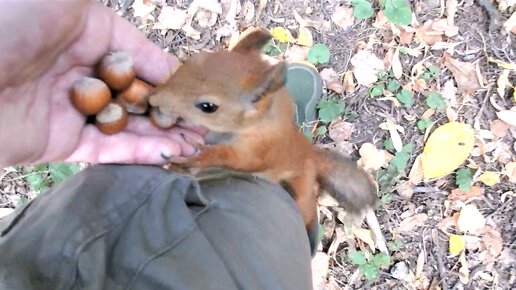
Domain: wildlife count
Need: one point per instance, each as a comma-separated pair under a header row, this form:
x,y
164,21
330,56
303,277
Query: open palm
x,y
46,47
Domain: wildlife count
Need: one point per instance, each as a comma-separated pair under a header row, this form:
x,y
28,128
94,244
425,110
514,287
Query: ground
x,y
422,220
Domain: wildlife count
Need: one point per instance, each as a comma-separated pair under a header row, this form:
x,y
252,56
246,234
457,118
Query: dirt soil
x,y
421,259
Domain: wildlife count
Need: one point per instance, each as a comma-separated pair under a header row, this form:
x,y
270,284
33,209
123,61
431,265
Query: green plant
x,y
405,97
362,9
464,178
370,268
423,124
376,90
273,48
397,11
42,176
430,72
329,109
318,54
434,100
394,245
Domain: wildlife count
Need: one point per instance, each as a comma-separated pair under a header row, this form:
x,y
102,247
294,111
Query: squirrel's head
x,y
223,91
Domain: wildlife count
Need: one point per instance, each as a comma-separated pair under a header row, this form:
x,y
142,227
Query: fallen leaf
x,y
508,116
470,219
446,149
171,18
427,35
405,190
412,222
465,74
206,18
279,33
340,131
420,263
451,10
443,26
489,178
395,136
416,172
464,269
349,82
141,8
503,82
456,245
365,236
304,37
510,24
510,171
343,17
305,22
248,11
493,242
397,69
370,157
451,114
296,53
447,222
449,92
466,195
499,128
191,32
366,67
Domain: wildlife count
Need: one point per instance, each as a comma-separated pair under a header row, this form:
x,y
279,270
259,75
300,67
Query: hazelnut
x,y
116,69
111,119
136,97
160,120
90,95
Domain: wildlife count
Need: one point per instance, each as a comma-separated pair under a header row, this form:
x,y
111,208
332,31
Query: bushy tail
x,y
343,180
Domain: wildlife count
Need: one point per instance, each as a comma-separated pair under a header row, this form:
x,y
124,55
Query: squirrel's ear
x,y
252,40
272,80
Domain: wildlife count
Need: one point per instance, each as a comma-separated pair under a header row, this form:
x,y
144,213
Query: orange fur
x,y
255,108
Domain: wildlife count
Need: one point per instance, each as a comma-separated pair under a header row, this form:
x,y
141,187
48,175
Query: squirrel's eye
x,y
207,107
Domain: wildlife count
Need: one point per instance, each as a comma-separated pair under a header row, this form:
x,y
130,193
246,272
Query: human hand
x,y
46,47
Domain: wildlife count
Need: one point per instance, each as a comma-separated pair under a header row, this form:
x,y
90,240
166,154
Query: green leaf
x,y
394,245
388,145
426,76
400,160
318,54
270,49
398,11
36,181
403,50
381,259
405,98
464,178
357,258
376,90
362,9
393,85
61,171
369,271
434,70
329,110
435,101
423,124
382,75
385,198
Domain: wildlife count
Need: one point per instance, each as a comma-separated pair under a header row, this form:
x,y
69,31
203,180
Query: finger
x,y
124,147
151,62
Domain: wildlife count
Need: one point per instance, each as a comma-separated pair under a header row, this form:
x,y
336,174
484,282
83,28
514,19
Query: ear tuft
x,y
252,40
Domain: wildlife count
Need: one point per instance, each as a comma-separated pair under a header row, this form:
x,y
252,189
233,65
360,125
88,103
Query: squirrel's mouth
x,y
181,122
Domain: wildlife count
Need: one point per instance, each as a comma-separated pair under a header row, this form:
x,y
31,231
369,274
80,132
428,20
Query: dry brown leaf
x,y
447,222
420,263
332,81
508,116
416,172
305,22
343,17
397,69
451,114
340,131
296,53
304,37
464,269
471,219
465,74
370,157
412,222
493,242
206,18
499,128
427,35
405,190
364,235
467,195
380,20
442,25
510,24
349,82
366,67
406,37
171,18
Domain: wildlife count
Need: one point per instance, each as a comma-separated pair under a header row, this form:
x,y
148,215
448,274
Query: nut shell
x,y
90,95
161,120
136,96
111,119
117,70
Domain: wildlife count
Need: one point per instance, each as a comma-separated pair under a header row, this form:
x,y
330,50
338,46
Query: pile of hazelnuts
x,y
115,94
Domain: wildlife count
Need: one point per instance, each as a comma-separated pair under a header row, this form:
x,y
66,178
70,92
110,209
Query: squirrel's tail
x,y
344,181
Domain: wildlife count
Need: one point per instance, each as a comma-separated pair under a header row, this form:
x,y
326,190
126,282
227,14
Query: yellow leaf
x,y
280,34
305,37
446,149
503,82
456,244
489,178
470,219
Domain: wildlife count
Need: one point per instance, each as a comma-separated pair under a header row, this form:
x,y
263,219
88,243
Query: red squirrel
x,y
241,96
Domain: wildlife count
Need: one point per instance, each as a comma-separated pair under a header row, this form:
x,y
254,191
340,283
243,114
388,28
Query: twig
x,y
438,252
374,226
